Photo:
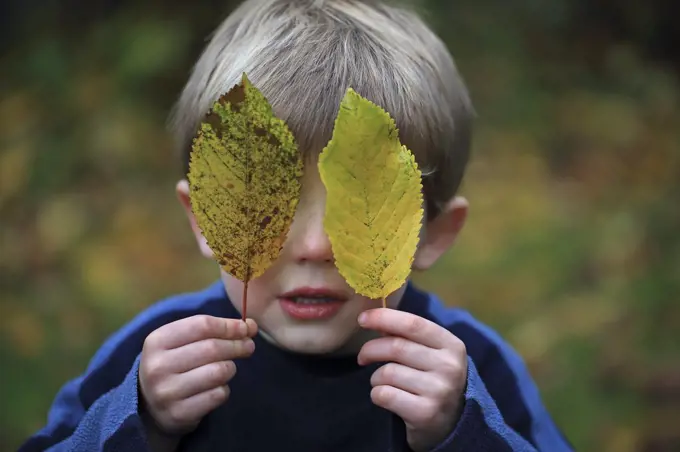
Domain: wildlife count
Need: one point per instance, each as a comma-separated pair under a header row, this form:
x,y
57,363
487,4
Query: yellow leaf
x,y
244,177
374,198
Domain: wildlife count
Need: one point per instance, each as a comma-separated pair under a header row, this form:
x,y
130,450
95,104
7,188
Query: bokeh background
x,y
572,250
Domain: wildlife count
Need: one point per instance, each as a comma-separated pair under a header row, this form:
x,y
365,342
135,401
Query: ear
x,y
440,233
182,190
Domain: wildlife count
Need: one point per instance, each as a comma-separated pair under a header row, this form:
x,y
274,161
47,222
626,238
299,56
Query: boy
x,y
319,367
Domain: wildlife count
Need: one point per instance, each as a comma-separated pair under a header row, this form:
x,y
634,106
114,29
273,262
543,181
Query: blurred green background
x,y
572,250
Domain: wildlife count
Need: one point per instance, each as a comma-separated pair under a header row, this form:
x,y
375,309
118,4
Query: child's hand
x,y
185,368
425,378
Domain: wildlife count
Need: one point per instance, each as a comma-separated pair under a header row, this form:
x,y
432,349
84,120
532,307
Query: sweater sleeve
x,y
503,408
110,423
99,410
483,428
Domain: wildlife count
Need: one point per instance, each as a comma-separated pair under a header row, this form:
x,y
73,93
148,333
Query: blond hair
x,y
304,54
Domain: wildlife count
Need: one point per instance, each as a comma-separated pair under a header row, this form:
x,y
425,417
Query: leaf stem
x,y
384,301
245,299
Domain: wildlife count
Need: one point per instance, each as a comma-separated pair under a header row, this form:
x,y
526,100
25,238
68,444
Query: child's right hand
x,y
185,368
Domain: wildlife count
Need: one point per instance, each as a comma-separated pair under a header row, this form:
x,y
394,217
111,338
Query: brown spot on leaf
x,y
265,221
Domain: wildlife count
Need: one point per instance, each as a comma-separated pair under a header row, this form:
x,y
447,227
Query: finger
x,y
411,408
410,326
199,327
195,381
400,350
194,408
410,380
252,327
197,354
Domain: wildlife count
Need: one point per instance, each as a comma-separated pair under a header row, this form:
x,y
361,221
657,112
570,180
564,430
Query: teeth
x,y
303,300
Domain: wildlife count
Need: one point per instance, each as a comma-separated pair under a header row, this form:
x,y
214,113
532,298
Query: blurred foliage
x,y
572,248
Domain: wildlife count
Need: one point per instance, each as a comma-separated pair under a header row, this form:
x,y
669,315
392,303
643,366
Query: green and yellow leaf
x,y
244,178
374,198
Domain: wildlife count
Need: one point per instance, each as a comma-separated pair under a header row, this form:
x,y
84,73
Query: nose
x,y
310,241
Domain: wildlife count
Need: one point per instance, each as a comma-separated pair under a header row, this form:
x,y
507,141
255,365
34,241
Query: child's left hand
x,y
425,377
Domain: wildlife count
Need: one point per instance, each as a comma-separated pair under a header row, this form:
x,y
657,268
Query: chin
x,y
311,340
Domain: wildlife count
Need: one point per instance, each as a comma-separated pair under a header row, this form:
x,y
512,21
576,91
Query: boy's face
x,y
280,300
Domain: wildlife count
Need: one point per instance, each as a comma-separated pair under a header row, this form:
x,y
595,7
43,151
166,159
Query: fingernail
x,y
250,346
362,318
251,328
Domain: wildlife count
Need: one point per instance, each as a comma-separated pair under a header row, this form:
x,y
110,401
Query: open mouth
x,y
308,303
313,300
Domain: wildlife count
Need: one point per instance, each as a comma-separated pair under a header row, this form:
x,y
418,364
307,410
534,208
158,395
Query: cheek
x,y
395,297
234,288
393,300
257,293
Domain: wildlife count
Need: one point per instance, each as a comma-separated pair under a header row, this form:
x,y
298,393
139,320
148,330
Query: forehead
x,y
310,112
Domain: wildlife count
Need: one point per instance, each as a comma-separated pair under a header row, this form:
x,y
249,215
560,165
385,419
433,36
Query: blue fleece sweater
x,y
284,401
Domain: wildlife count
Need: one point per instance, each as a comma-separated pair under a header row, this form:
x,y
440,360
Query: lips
x,y
312,303
311,292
